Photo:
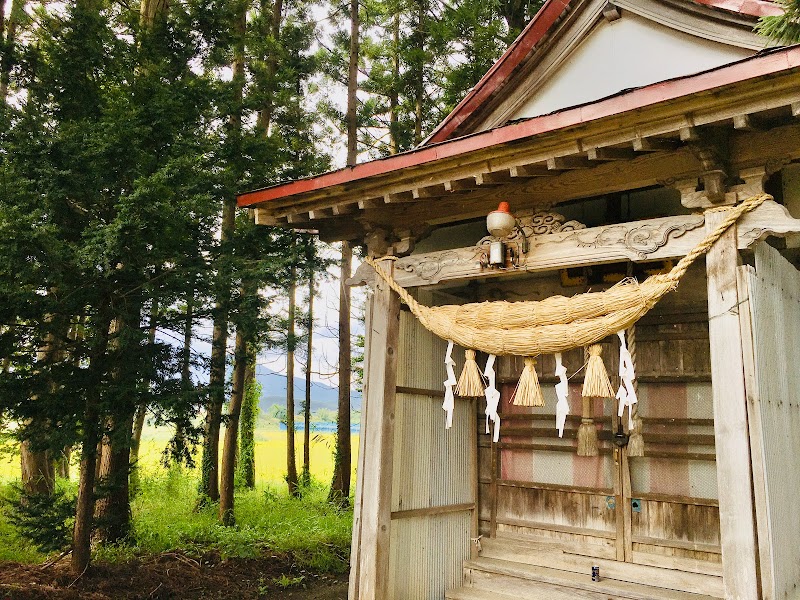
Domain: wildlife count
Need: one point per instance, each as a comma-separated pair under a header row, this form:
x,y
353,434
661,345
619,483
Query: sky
x,y
325,337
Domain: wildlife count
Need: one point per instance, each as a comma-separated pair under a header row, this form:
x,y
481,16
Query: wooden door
x,y
653,510
533,486
673,497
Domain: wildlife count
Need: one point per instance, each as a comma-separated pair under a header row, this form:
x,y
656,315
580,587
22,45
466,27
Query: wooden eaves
x,y
636,138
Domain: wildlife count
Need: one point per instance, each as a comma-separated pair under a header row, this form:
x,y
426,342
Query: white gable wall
x,y
626,53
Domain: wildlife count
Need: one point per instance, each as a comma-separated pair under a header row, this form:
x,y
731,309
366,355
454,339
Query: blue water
x,y
320,427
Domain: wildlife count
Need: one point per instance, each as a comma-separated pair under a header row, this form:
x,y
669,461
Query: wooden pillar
x,y
369,563
734,477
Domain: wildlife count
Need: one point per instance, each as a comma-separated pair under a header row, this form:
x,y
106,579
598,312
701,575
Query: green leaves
x,y
785,28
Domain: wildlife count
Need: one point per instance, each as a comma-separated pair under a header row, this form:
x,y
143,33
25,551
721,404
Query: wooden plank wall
x,y
434,477
774,397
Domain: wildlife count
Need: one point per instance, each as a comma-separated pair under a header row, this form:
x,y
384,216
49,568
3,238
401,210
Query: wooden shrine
x,y
621,134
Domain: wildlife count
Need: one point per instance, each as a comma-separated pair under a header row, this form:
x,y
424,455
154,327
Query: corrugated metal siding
x,y
433,467
427,555
420,362
775,297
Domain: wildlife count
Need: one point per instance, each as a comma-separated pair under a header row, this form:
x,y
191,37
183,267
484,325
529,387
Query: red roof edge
x,y
764,64
501,70
539,26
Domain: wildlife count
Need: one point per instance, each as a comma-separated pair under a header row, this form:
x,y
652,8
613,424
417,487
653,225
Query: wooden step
x,y
465,593
531,582
555,557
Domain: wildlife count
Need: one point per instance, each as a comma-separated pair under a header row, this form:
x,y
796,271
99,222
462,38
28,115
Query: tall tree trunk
x,y
38,470
38,464
307,403
273,30
291,461
340,487
8,39
75,335
352,86
152,10
141,410
209,468
247,424
180,452
62,462
113,510
394,95
419,76
516,13
84,513
226,497
5,365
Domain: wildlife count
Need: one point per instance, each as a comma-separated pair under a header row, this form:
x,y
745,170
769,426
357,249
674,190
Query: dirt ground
x,y
172,576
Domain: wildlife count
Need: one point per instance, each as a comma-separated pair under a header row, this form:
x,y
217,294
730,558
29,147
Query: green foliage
x,y
285,581
785,28
13,546
418,59
45,520
314,532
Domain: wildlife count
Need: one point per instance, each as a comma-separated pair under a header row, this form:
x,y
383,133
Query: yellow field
x,y
270,456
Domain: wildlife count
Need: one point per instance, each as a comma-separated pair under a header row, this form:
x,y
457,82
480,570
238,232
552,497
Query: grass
x,y
165,517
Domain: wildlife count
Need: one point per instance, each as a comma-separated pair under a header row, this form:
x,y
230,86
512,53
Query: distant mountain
x,y
273,391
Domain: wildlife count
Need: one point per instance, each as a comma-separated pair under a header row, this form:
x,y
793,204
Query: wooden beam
x,y
537,170
493,178
431,191
371,203
460,185
373,521
295,218
737,526
564,163
344,209
608,154
689,134
652,144
320,213
665,238
398,198
744,123
265,217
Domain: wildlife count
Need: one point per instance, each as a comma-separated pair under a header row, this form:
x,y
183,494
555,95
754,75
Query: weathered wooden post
x,y
734,477
369,574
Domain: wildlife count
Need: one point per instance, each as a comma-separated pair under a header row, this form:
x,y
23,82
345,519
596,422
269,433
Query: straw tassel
x,y
587,432
528,392
470,384
596,383
636,440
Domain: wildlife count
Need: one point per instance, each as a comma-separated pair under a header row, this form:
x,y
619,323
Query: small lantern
x,y
500,223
